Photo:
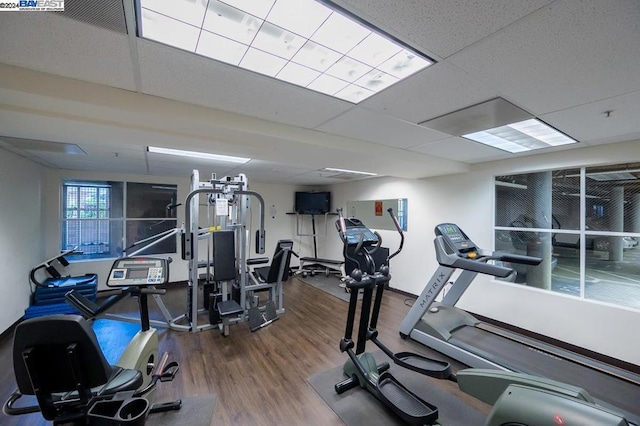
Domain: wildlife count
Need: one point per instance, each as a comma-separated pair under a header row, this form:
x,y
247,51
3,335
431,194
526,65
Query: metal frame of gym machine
x,y
233,191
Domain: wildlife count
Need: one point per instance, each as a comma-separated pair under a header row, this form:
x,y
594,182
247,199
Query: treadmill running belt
x,y
614,391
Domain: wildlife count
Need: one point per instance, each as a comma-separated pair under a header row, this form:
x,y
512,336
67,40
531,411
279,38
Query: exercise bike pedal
x,y
169,372
165,406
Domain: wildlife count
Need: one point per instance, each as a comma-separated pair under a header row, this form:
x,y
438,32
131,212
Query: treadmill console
x,y
457,240
138,271
355,229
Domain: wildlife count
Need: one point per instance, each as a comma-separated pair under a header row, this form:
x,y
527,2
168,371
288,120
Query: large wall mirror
x,y
373,213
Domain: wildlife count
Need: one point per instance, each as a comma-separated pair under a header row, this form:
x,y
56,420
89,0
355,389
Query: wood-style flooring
x,y
258,378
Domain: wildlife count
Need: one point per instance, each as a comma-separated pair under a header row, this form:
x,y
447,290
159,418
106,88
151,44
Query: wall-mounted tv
x,y
313,202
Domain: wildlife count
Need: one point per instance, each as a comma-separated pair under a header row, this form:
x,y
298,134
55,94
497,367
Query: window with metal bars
x,y
585,225
101,219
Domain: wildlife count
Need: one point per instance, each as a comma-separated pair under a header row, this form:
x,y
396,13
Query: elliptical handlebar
x,y
399,229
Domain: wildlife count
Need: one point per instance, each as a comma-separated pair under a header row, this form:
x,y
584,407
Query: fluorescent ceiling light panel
x,y
374,50
277,41
316,56
170,31
500,124
297,74
288,34
187,11
522,136
232,23
220,48
353,93
340,33
404,63
355,172
195,154
376,80
259,8
302,17
348,69
262,62
327,84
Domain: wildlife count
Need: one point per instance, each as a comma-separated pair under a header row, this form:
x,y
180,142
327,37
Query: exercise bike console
x,y
138,271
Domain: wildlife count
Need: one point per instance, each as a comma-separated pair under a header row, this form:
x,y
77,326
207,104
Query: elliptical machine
x,y
361,368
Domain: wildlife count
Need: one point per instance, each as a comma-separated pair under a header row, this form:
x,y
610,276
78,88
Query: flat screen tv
x,y
313,202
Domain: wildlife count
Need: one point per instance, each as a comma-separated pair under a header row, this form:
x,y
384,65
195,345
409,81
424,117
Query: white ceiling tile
x,y
66,47
566,54
371,126
434,91
590,124
438,27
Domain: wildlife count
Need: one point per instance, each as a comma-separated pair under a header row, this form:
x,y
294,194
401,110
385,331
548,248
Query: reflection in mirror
x,y
374,212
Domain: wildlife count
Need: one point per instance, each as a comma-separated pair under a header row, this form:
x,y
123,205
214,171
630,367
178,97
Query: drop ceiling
x,y
83,78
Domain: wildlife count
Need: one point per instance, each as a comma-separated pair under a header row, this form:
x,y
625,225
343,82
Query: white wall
x,y
278,226
467,199
20,233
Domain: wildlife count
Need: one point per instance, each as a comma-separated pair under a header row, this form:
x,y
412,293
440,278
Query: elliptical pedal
x,y
408,406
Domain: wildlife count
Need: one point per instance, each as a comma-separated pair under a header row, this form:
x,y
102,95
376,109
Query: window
x,y
585,225
102,219
403,213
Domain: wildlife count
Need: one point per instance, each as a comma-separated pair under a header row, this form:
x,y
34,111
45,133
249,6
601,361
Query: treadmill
x,y
461,336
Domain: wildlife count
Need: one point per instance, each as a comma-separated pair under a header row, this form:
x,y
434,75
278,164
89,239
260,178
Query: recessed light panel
x,y
355,172
196,154
522,136
500,124
280,37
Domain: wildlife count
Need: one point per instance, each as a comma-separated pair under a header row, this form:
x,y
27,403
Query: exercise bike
x,y
361,368
136,277
57,358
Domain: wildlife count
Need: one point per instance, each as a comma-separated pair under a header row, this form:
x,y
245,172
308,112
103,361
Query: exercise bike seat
x,y
49,351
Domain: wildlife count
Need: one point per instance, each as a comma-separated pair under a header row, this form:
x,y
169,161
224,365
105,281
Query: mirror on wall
x,y
374,212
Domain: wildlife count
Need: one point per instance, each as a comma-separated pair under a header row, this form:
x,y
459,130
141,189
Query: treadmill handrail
x,y
475,265
516,258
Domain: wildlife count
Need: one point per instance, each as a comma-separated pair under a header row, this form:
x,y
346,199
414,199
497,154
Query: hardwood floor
x,y
258,378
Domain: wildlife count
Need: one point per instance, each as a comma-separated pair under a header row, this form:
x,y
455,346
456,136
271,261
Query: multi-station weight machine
x,y
227,239
231,198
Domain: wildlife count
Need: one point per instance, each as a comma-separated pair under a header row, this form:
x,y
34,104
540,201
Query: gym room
x,y
321,212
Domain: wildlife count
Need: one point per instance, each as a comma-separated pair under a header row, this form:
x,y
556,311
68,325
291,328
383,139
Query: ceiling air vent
x,y
107,14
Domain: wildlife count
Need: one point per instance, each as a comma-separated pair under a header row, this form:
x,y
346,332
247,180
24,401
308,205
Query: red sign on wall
x,y
378,207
